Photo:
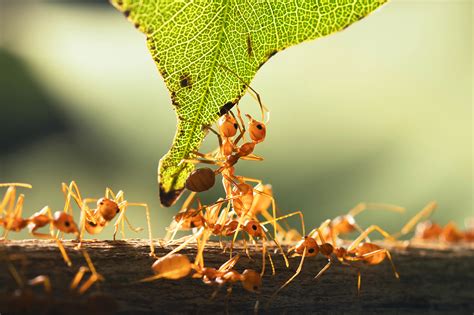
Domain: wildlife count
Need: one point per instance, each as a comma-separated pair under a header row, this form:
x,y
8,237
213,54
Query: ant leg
x,y
256,96
425,212
170,235
147,213
74,192
219,138
264,253
328,265
78,277
287,216
14,272
109,194
41,280
93,278
66,258
389,256
199,261
197,161
359,280
252,157
372,206
271,262
8,199
298,271
366,233
229,264
183,245
16,214
241,125
23,185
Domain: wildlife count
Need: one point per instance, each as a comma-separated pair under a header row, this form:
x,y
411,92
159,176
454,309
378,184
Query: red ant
x,y
24,299
211,221
450,233
177,266
345,224
357,251
107,208
12,219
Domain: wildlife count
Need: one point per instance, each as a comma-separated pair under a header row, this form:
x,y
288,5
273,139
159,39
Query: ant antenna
x,y
255,94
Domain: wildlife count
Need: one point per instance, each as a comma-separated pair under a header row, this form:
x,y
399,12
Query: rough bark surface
x,y
432,280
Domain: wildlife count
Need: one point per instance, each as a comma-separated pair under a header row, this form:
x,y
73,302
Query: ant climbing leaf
x,y
191,40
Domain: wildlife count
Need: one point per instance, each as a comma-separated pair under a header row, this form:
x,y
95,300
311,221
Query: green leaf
x,y
190,40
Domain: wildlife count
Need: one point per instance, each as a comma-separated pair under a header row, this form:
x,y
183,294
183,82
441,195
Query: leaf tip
x,y
168,198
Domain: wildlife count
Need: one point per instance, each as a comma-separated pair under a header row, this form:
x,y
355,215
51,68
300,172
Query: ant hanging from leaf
x,y
12,219
107,208
229,152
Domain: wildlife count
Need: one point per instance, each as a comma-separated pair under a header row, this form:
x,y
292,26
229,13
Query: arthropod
x,y
358,251
26,300
345,224
450,233
12,220
177,266
111,205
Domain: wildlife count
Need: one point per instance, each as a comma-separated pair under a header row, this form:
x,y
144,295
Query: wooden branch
x,y
432,280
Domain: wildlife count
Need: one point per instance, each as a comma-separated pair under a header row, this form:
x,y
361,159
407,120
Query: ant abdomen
x,y
173,267
201,179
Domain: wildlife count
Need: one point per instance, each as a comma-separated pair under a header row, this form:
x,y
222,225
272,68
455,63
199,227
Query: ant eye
x,y
236,126
254,227
259,127
67,224
101,203
311,250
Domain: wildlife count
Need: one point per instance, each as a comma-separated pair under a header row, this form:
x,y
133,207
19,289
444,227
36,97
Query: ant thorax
x,y
95,227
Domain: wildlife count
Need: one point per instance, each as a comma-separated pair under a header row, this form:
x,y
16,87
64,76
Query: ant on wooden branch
x,y
11,219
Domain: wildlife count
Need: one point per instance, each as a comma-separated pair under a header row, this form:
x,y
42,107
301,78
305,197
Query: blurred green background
x,y
379,112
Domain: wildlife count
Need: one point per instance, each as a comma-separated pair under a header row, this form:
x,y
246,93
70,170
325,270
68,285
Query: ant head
x,y
251,280
428,230
343,224
228,126
257,129
253,228
65,222
451,233
107,208
312,248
